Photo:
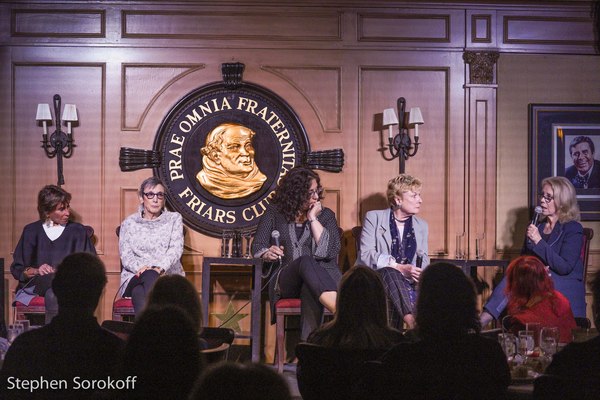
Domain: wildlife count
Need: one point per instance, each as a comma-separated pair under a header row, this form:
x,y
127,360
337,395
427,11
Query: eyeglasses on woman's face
x,y
316,192
545,197
150,195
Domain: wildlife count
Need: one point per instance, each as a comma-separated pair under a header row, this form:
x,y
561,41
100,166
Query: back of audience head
x,y
250,381
79,281
447,303
527,277
361,316
177,290
163,353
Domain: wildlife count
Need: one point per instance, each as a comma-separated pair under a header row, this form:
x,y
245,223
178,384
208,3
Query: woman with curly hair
x,y
532,298
301,240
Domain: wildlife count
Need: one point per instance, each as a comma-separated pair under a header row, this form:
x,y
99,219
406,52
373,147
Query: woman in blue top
x,y
557,241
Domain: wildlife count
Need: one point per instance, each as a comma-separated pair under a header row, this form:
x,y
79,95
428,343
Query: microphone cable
x,y
273,273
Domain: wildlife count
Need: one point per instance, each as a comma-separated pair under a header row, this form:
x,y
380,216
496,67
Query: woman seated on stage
x,y
150,244
44,244
361,318
532,298
557,242
304,254
394,242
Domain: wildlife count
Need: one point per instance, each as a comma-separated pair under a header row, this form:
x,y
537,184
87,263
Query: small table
x,y
469,266
255,317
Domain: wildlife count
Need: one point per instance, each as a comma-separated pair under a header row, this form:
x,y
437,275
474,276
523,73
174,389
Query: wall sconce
x,y
60,144
402,146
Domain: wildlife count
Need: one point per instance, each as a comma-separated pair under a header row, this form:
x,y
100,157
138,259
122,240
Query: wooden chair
x,y
37,306
356,232
588,234
215,354
121,329
285,308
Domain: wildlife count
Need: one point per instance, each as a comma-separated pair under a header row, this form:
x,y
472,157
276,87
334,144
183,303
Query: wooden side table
x,y
255,311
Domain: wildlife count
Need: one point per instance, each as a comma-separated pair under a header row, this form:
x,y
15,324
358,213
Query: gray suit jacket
x,y
376,239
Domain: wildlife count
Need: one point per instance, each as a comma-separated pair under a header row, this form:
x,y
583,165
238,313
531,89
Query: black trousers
x,y
138,289
306,279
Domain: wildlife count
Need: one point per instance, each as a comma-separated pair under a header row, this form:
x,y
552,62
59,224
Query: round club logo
x,y
223,149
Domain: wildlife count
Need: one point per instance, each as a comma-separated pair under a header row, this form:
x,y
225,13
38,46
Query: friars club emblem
x,y
222,150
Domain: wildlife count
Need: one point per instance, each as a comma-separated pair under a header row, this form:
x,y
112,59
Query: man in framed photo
x,y
585,171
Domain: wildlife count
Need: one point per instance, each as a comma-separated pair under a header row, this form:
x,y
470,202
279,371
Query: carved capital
x,y
481,66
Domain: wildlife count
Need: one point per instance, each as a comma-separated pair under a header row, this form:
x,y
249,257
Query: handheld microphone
x,y
420,254
536,215
275,237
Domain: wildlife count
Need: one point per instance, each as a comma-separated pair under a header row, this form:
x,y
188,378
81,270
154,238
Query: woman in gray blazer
x,y
394,242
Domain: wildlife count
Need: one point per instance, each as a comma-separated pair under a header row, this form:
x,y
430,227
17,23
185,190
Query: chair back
x,y
331,373
588,234
356,232
215,337
121,329
215,354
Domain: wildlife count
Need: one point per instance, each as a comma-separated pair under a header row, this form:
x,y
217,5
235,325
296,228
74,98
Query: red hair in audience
x,y
527,277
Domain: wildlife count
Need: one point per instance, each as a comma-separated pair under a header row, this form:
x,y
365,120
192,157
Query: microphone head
x,y
537,210
420,253
275,234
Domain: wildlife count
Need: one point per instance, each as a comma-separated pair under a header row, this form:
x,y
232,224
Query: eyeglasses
x,y
545,197
150,195
318,192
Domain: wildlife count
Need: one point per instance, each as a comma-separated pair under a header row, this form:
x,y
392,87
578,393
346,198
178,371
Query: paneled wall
x,y
337,63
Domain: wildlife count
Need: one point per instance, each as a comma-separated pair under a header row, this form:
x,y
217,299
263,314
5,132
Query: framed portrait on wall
x,y
563,139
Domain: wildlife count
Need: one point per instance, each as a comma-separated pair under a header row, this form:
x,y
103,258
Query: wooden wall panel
x,y
337,64
70,23
264,25
428,89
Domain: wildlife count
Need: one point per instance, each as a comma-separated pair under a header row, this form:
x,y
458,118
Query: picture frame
x,y
555,130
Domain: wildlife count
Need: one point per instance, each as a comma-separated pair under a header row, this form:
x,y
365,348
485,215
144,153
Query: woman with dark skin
x,y
44,244
305,261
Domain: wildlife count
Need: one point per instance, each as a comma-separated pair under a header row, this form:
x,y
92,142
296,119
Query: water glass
x,y
460,252
549,338
247,235
534,327
508,342
13,331
226,237
480,246
526,343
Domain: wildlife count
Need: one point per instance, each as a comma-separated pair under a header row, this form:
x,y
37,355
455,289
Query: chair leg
x,y
280,342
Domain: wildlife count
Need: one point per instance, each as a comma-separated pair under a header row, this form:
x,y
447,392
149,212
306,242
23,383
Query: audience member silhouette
x,y
581,360
361,318
73,348
452,360
178,291
251,381
163,353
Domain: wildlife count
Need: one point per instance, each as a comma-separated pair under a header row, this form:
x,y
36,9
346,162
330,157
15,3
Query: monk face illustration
x,y
229,170
236,152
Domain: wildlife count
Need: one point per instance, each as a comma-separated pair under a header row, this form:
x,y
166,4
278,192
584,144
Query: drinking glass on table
x,y
13,331
508,342
526,343
534,327
549,338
